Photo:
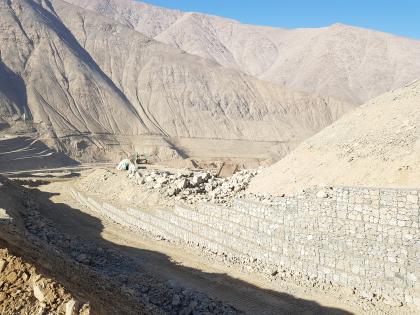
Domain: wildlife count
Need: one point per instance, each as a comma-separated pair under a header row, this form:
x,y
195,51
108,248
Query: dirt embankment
x,y
92,271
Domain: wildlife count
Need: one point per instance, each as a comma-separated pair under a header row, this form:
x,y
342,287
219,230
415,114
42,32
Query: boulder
x,y
162,180
322,194
149,179
197,180
182,183
227,170
201,178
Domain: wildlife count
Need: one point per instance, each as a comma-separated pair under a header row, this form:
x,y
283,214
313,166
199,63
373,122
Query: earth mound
x,y
377,145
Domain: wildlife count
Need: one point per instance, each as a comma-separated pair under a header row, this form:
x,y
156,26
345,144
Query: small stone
x,y
411,277
392,302
162,180
412,199
173,191
183,183
39,295
3,264
176,300
322,194
25,276
71,307
3,296
82,258
149,179
366,295
41,310
12,277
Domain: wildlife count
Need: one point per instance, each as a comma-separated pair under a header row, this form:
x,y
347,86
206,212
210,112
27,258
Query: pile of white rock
x,y
192,187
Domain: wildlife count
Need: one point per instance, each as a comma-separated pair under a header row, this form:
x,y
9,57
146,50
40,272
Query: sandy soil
x,y
377,145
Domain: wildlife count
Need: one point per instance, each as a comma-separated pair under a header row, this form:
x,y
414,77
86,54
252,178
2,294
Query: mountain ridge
x,y
341,61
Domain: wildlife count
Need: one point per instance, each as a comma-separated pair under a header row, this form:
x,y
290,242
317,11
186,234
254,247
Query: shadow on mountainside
x,y
52,19
14,88
129,266
26,153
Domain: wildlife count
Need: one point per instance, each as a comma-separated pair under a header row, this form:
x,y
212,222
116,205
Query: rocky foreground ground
x,y
23,290
112,283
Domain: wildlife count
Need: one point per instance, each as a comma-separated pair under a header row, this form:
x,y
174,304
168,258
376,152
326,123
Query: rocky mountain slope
x,y
376,145
47,71
81,74
348,63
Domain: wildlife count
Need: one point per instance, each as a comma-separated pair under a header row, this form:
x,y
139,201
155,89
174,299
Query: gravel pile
x,y
192,187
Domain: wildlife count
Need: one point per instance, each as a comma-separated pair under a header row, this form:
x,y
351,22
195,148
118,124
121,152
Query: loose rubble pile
x,y
24,291
191,187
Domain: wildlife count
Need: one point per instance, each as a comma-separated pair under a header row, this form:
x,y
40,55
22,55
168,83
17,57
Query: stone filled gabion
x,y
365,239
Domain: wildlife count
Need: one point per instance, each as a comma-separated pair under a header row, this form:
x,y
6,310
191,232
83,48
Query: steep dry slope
x,y
12,95
376,145
348,63
44,69
188,96
75,72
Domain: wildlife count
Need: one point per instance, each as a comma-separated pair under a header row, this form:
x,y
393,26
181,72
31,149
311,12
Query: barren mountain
x,y
45,72
348,63
75,72
376,145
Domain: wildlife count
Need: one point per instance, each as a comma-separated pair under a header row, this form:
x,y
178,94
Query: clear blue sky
x,y
401,17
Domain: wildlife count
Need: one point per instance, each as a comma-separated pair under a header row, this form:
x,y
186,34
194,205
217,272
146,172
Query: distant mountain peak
x,y
346,62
